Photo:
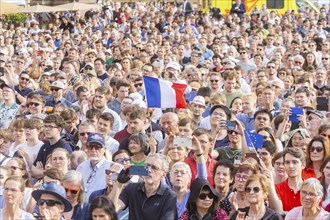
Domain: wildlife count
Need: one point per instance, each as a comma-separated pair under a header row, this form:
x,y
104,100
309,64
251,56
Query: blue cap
x,y
55,190
96,138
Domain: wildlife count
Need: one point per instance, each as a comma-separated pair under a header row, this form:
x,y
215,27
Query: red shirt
x,y
309,173
289,199
210,163
121,135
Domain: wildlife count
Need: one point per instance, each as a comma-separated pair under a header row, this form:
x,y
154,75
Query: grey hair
x,y
314,184
163,158
298,57
181,164
75,176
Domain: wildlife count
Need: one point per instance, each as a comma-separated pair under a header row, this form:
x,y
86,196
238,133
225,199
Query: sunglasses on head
x,y
49,202
72,191
254,189
203,196
318,149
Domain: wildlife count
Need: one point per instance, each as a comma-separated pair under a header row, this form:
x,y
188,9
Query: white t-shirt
x,y
32,151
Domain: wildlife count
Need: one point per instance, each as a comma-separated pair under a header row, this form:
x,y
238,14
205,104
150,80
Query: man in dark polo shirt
x,y
22,89
57,89
148,200
52,131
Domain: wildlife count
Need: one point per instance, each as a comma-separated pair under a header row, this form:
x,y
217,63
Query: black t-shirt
x,y
269,214
47,149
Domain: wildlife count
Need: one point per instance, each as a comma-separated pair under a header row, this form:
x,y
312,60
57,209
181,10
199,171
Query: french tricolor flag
x,y
164,94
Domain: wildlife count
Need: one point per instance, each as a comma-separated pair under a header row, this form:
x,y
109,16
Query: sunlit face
x,y
248,105
206,144
265,156
60,160
217,116
72,191
261,120
293,166
134,147
279,167
316,151
222,177
179,177
16,168
156,172
100,214
204,203
185,131
309,197
55,210
12,193
104,126
256,194
177,154
19,133
296,139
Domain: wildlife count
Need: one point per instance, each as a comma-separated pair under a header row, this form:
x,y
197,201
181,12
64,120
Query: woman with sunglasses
x,y
256,191
75,193
325,182
311,193
13,193
203,202
317,150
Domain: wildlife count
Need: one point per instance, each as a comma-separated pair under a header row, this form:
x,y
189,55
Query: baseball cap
x,y
96,138
3,85
89,64
57,84
199,100
316,112
173,65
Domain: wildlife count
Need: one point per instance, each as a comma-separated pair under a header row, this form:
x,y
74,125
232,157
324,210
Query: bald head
x,y
169,123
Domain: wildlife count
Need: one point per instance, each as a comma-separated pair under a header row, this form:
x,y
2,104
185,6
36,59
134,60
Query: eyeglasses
x,y
318,149
182,172
152,167
95,146
85,133
138,84
93,173
49,126
54,89
254,189
35,104
231,132
241,177
325,135
49,202
72,191
215,80
271,67
310,194
203,196
122,160
25,79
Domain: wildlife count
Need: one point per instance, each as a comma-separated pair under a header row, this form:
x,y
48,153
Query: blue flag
x,y
254,140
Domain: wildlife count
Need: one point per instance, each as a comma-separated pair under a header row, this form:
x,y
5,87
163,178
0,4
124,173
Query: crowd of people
x,y
78,140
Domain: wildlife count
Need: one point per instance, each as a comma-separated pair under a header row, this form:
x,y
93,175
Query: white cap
x,y
57,84
136,96
4,51
173,65
139,103
199,100
49,63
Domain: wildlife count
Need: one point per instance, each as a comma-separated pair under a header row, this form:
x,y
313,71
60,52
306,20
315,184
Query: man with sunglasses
x,y
272,74
245,62
22,89
157,200
57,89
51,201
93,169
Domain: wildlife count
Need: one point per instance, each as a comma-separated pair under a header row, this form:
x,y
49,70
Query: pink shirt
x,y
296,214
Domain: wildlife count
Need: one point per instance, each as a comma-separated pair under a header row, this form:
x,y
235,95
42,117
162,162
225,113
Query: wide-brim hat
x,y
55,190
